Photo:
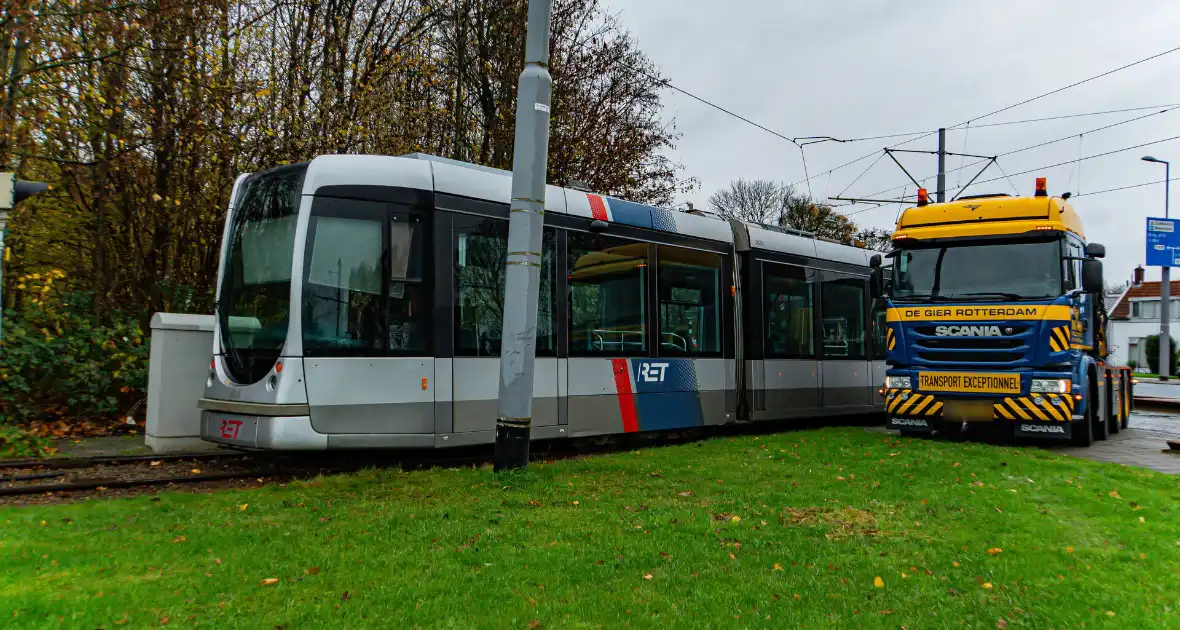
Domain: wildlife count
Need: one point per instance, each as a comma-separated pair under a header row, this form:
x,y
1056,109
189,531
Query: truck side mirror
x,y
1092,276
875,261
876,283
1095,250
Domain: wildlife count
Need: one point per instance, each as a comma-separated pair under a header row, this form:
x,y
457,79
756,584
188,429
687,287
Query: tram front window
x,y
254,306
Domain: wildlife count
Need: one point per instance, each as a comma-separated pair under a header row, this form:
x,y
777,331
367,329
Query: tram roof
x,y
429,172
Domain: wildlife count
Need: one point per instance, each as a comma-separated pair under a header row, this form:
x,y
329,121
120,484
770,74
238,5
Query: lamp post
x,y
1165,284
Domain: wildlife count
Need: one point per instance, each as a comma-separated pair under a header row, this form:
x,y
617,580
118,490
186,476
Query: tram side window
x,y
481,246
789,308
342,291
607,296
843,322
880,345
409,301
690,305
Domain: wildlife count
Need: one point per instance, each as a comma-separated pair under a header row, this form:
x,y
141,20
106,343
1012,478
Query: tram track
x,y
64,479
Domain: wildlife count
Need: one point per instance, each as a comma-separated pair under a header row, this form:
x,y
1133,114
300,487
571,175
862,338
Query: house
x,y
1135,316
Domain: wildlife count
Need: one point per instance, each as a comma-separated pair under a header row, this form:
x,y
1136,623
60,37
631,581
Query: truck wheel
x,y
1083,430
1101,426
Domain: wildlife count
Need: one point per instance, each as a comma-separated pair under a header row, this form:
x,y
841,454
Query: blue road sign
x,y
1163,243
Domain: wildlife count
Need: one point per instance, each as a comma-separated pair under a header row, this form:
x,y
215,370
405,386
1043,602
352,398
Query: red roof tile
x,y
1122,310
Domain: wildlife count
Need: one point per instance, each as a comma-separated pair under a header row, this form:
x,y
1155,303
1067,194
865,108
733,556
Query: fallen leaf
x,y
994,551
178,539
778,567
345,597
735,519
1142,520
195,471
1110,613
647,576
314,571
1000,623
577,502
878,582
955,563
157,463
270,581
163,621
1114,494
1069,550
243,506
987,585
686,493
732,557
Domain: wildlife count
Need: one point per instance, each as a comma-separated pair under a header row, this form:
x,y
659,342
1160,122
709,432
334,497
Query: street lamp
x,y
1165,283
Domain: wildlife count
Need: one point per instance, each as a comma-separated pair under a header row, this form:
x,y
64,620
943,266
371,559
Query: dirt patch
x,y
843,523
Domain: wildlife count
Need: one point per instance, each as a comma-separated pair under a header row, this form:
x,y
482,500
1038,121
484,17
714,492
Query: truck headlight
x,y
897,382
1050,386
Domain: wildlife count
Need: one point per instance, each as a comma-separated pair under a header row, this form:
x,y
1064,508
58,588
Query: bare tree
x,y
755,201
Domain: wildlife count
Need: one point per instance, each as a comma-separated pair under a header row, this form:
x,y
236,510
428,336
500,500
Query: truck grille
x,y
1011,347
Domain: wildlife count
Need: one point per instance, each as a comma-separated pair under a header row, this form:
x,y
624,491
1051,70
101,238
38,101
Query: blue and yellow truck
x,y
993,315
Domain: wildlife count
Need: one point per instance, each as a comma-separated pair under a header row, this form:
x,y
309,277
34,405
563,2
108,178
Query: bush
x,y
1152,347
16,443
59,362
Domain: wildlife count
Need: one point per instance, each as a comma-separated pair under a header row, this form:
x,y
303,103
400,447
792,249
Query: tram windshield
x,y
254,306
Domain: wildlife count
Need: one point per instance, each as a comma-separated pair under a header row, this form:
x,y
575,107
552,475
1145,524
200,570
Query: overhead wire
x,y
1043,144
1099,192
1083,159
1067,87
1025,102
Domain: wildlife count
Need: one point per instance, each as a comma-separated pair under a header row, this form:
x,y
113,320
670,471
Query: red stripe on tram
x,y
626,399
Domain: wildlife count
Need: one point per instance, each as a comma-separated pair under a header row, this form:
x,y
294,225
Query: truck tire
x,y
1083,430
1113,411
1101,426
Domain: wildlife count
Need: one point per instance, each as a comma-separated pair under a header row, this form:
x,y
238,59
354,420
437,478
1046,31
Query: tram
x,y
360,298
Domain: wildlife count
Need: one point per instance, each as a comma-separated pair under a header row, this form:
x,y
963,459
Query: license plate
x,y
974,382
968,410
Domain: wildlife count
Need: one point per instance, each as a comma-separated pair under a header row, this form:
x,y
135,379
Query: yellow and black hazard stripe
x,y
904,402
890,338
1053,408
1059,339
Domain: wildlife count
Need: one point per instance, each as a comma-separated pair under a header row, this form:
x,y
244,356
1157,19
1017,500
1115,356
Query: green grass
x,y
790,530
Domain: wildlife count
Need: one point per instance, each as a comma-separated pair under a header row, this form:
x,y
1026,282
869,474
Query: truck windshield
x,y
979,271
254,306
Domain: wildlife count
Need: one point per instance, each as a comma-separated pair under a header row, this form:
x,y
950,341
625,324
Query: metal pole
x,y
530,160
1166,297
940,195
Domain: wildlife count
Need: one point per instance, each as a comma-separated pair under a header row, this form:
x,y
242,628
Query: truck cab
x,y
994,315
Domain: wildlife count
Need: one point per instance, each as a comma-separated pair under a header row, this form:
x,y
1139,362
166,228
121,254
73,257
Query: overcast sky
x,y
854,68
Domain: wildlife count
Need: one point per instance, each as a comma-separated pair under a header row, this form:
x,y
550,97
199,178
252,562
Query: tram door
x,y
365,316
847,377
480,247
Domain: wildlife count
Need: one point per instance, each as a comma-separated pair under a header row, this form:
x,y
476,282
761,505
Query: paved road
x,y
1143,443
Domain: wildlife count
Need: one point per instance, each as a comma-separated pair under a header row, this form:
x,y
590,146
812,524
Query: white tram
x,y
359,305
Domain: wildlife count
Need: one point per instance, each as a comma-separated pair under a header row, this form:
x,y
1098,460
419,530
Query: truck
x,y
994,319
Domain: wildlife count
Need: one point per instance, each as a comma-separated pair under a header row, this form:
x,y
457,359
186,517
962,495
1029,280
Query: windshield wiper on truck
x,y
999,294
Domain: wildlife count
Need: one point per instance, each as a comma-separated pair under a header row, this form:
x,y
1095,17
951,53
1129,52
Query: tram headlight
x,y
897,382
1049,386
272,383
